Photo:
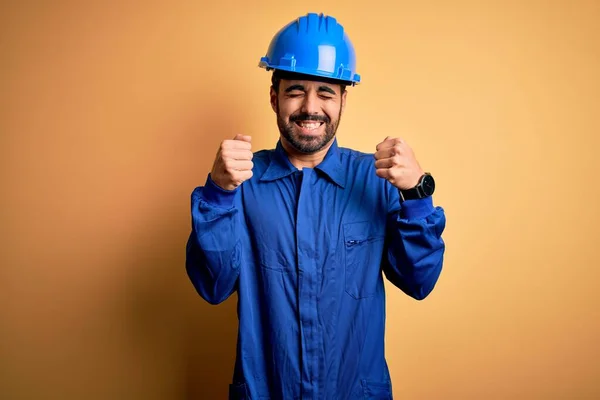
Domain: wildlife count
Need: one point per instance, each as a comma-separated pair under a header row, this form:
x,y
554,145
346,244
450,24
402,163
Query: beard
x,y
307,144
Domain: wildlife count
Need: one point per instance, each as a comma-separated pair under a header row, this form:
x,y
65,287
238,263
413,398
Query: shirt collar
x,y
280,165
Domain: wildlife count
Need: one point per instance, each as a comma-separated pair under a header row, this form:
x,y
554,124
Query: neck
x,y
302,160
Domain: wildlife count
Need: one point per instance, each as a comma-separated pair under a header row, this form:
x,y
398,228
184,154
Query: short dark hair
x,y
278,75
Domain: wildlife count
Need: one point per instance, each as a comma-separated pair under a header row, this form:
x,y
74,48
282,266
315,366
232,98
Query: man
x,y
303,233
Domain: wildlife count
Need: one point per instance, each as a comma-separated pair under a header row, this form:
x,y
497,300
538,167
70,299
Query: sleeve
x,y
414,246
213,253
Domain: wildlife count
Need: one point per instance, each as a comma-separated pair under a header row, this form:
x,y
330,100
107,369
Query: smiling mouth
x,y
309,125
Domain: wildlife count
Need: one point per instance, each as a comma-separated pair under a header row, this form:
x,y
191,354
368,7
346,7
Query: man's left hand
x,y
396,162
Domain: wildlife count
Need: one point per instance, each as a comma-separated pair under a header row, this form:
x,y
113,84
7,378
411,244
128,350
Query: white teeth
x,y
310,125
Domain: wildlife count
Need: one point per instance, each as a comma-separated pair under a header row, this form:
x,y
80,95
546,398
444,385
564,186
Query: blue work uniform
x,y
305,251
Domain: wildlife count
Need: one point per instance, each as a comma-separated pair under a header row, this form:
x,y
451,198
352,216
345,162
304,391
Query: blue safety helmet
x,y
314,45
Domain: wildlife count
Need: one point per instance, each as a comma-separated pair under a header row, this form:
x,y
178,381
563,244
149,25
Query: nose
x,y
310,105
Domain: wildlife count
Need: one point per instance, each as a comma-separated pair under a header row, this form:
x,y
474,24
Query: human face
x,y
308,113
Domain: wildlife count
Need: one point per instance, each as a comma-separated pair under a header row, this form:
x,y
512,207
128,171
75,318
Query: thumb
x,y
380,145
244,138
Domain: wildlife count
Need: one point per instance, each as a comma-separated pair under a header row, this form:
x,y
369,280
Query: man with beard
x,y
306,232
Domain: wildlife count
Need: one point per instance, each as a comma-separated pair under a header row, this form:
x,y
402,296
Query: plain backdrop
x,y
112,112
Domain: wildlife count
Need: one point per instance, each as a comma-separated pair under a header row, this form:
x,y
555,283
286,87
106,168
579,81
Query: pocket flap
x,y
377,390
363,230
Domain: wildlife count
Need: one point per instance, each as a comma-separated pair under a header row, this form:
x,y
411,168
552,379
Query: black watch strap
x,y
410,194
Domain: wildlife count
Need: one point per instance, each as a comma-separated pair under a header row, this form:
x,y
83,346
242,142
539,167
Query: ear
x,y
273,96
343,101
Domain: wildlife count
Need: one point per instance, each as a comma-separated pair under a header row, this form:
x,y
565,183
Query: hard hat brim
x,y
287,74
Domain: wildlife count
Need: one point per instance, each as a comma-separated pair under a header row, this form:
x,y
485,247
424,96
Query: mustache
x,y
309,117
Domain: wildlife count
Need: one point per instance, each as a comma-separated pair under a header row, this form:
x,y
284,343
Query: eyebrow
x,y
303,89
327,89
295,87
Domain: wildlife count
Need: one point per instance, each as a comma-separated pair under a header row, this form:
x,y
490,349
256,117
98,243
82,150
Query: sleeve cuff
x,y
416,209
217,196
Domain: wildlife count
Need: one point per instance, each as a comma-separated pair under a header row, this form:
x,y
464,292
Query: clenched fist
x,y
396,162
233,164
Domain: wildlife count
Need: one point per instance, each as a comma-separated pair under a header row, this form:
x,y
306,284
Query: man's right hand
x,y
233,164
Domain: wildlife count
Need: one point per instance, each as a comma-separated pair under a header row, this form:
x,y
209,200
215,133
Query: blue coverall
x,y
305,251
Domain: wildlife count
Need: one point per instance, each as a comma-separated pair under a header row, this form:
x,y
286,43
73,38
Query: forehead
x,y
314,84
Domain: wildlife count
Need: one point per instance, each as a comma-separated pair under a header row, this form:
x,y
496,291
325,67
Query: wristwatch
x,y
424,188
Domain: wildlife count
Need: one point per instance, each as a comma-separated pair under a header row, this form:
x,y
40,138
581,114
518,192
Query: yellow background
x,y
111,113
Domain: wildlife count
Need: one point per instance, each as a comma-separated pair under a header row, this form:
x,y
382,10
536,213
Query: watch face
x,y
428,185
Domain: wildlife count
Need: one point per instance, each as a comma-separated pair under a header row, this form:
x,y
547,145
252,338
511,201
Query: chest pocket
x,y
363,251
